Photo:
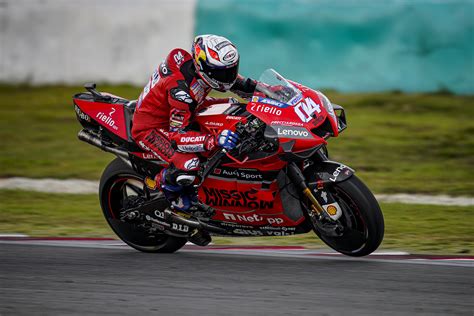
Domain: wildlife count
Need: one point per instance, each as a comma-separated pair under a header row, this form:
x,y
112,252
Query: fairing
x,y
253,196
110,115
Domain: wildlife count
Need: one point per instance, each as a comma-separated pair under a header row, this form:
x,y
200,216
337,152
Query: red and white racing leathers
x,y
166,107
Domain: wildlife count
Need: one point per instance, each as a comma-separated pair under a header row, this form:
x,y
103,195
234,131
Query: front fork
x,y
323,209
323,204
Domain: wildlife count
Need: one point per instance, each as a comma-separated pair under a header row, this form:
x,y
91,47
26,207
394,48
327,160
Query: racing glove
x,y
227,139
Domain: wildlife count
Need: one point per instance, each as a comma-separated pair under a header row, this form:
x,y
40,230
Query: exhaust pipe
x,y
87,137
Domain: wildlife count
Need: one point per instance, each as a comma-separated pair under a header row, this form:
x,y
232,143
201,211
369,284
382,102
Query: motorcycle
x,y
278,181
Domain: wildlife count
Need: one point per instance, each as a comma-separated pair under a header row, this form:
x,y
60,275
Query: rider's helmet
x,y
216,60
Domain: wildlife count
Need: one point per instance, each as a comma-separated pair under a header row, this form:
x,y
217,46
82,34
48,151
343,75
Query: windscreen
x,y
275,87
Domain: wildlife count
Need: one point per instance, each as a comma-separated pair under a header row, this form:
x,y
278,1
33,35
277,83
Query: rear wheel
x,y
120,185
361,218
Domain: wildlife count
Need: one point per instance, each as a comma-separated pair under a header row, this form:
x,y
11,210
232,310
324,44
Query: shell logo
x,y
332,210
150,183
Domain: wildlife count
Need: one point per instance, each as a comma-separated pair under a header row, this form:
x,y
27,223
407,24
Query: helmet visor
x,y
223,75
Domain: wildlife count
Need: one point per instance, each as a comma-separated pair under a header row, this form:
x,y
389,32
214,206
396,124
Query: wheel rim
x,y
121,188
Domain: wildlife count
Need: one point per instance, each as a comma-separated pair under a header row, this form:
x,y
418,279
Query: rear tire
x,y
362,219
117,179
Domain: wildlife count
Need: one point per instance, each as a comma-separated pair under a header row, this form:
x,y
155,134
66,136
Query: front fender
x,y
326,173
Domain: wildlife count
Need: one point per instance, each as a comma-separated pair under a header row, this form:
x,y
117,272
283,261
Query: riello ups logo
x,y
235,198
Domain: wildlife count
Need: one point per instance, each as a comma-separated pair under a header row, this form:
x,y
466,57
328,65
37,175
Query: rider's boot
x,y
182,195
183,198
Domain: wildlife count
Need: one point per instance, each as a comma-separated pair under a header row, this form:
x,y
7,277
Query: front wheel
x,y
361,219
119,185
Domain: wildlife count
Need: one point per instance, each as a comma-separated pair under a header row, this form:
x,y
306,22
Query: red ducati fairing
x,y
245,190
236,190
278,180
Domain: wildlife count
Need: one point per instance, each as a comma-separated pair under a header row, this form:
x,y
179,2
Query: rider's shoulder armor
x,y
177,58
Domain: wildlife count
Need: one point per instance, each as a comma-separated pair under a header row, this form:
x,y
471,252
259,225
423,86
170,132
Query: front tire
x,y
361,218
119,182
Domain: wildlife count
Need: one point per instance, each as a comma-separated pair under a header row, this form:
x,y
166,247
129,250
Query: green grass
x,y
409,142
396,142
39,134
414,228
42,214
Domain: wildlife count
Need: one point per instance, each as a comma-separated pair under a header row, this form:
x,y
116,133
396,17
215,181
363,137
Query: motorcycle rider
x,y
163,119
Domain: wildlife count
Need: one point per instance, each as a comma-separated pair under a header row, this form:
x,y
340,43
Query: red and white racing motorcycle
x,y
277,182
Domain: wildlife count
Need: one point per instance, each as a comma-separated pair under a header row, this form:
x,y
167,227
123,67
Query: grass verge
x,y
413,228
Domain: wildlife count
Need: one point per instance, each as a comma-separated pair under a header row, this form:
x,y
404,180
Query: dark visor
x,y
224,75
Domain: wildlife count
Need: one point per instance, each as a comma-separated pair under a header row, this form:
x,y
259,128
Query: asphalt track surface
x,y
108,278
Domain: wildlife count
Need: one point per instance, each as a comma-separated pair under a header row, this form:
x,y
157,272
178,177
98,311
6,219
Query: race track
x,y
102,278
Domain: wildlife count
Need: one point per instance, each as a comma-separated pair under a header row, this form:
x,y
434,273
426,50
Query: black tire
x,y
362,219
116,180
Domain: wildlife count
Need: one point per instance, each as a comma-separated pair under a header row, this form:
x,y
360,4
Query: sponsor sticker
x,y
178,58
180,227
336,173
288,123
234,198
266,109
198,91
214,124
254,218
107,119
253,232
155,78
191,148
292,132
192,139
334,211
269,101
222,45
306,108
331,209
230,117
182,96
160,142
191,164
82,115
150,183
246,175
229,56
324,196
148,156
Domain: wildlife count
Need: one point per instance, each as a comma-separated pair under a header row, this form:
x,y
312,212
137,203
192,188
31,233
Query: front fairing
x,y
293,111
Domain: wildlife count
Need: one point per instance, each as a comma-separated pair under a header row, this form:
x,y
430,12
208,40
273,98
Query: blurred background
x,y
403,69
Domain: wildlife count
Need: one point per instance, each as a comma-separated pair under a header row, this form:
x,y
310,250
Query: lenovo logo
x,y
292,132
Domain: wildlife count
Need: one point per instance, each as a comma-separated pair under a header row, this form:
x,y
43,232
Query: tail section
x,y
113,113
